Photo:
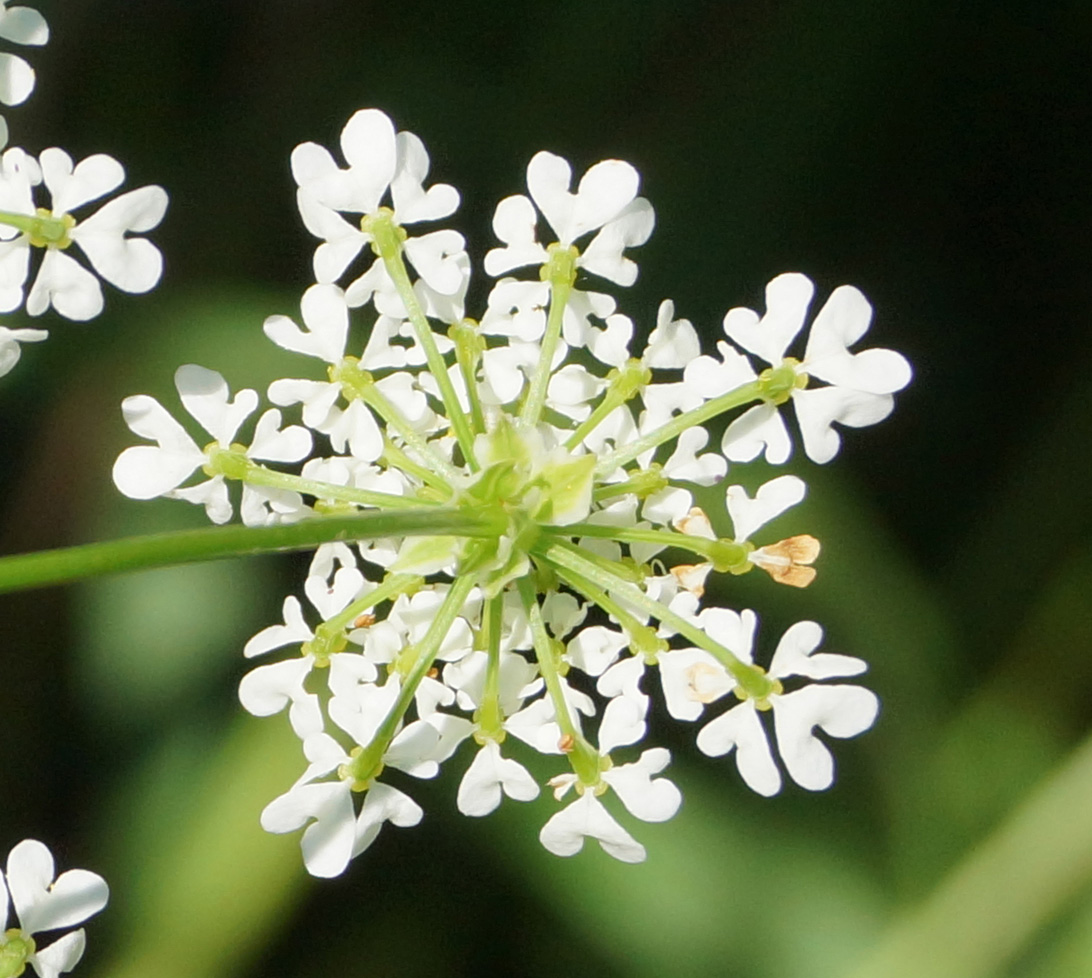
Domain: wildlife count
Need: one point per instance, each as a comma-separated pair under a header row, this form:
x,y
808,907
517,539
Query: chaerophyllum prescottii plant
x,y
507,556
520,480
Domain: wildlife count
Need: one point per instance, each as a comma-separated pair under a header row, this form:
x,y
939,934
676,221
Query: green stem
x,y
488,716
582,756
392,586
468,352
566,558
718,551
679,423
642,639
365,765
388,245
359,384
259,475
560,272
1009,887
23,571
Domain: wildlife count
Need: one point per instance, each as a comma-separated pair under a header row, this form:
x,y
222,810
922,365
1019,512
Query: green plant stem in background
x,y
1012,884
23,571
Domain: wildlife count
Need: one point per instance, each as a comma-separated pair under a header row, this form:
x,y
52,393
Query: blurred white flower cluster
x,y
553,583
31,220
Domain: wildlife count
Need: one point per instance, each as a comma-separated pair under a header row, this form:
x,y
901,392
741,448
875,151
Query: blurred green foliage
x,y
934,154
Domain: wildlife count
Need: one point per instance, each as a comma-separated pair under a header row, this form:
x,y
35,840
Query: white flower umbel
x,y
44,902
514,489
858,385
130,263
837,709
144,472
379,162
20,25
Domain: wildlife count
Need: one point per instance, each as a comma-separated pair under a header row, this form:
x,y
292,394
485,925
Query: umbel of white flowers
x,y
529,476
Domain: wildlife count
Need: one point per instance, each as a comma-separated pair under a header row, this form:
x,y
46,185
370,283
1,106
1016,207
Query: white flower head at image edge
x,y
20,25
132,264
43,903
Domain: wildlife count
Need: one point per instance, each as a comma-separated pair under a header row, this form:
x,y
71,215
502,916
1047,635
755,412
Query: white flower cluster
x,y
30,220
523,485
44,903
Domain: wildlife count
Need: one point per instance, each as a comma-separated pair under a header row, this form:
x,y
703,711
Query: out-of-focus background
x,y
934,154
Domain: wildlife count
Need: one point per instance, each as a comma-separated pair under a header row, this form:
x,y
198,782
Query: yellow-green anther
x,y
47,231
754,684
15,947
386,233
730,557
231,462
778,383
560,268
364,766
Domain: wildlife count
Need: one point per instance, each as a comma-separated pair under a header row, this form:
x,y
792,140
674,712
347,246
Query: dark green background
x,y
935,154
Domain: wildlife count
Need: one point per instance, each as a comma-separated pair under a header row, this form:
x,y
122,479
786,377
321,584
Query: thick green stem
x,y
388,245
23,571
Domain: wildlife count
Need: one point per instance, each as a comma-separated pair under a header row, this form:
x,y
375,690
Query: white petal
x,y
61,956
488,775
132,264
271,444
204,393
787,299
71,187
411,202
759,428
66,285
770,501
564,833
16,79
818,408
368,142
741,729
328,842
382,804
294,630
43,903
794,656
23,25
623,722
144,472
647,798
514,224
840,711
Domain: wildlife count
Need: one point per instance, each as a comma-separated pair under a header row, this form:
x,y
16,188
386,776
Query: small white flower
x,y
839,710
379,161
132,264
45,903
859,385
144,471
605,201
9,345
268,689
336,833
